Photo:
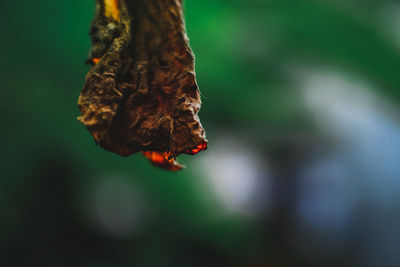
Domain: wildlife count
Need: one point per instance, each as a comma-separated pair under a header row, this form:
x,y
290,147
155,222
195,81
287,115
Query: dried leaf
x,y
141,93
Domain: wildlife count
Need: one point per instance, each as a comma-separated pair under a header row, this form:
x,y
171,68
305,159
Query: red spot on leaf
x,y
194,151
96,60
163,160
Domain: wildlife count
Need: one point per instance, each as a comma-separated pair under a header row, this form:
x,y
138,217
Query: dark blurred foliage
x,y
301,106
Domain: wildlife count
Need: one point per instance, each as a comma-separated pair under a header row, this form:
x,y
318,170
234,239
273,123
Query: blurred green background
x,y
301,107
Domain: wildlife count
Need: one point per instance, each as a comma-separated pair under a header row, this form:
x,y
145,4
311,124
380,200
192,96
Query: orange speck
x,y
200,147
111,9
96,60
163,160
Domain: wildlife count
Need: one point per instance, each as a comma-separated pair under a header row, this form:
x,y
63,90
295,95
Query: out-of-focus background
x,y
301,106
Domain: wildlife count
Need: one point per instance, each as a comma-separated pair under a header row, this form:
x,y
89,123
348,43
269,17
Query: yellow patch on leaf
x,y
111,9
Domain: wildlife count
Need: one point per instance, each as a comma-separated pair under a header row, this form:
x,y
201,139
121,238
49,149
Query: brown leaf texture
x,y
141,92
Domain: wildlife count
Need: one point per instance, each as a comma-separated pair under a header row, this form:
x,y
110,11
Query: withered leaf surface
x,y
141,93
